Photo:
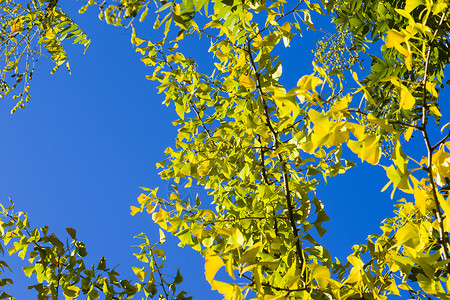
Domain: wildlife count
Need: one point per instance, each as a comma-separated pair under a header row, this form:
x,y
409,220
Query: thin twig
x,y
276,20
442,237
441,141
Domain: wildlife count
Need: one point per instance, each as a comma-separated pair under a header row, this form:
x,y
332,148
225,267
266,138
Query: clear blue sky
x,y
77,154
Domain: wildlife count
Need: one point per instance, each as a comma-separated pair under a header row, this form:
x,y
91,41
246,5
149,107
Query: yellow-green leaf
x,y
394,38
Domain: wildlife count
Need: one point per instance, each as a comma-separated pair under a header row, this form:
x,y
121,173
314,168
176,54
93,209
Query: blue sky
x,y
77,154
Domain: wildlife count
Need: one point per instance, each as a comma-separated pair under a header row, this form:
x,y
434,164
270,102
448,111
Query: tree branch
x,y
263,164
443,240
287,192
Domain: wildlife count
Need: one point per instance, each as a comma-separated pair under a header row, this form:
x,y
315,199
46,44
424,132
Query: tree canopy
x,y
262,148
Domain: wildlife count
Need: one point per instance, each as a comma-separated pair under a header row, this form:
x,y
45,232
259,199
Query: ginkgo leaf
x,y
435,110
237,236
226,289
441,159
247,82
138,41
249,255
445,204
408,235
321,121
338,134
355,273
321,274
407,101
70,291
394,37
309,82
16,27
399,179
134,210
28,270
412,4
212,264
368,149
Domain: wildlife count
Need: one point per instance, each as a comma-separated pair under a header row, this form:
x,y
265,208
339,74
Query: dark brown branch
x,y
160,276
443,240
263,164
287,191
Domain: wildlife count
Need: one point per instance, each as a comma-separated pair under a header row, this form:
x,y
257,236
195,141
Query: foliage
x,y
25,29
262,149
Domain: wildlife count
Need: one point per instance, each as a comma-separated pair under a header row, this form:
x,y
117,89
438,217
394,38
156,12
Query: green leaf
x,y
72,232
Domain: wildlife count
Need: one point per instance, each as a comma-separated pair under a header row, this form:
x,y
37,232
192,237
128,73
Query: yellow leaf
x,y
411,4
151,208
338,135
362,88
134,210
237,236
441,160
321,274
286,103
420,198
212,264
248,15
445,126
398,179
431,87
143,198
247,82
444,204
440,6
139,273
355,273
393,290
435,110
367,149
408,235
138,41
383,123
226,289
341,104
394,38
177,9
16,27
409,133
357,130
407,100
70,292
204,168
229,267
309,82
319,120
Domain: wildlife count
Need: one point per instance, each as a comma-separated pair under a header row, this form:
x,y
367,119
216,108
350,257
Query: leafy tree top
x,y
262,149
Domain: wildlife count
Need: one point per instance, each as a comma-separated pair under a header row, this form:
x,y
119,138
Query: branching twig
x,y
276,20
443,240
285,174
441,141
